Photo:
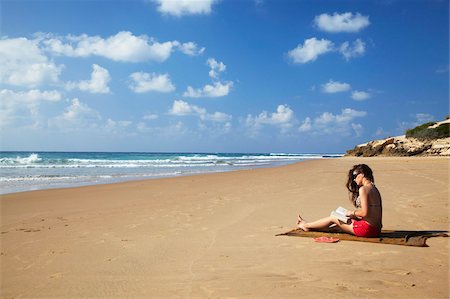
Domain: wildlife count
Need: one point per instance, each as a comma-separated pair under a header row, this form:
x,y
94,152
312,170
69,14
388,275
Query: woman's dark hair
x,y
353,188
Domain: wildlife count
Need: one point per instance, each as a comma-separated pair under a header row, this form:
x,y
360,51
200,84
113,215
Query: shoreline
x,y
28,171
82,185
213,235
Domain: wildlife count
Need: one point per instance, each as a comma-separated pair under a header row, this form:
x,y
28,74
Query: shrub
x,y
423,132
414,132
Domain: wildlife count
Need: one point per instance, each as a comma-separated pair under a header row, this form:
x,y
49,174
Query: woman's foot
x,y
302,223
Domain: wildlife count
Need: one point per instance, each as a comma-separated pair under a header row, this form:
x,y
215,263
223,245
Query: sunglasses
x,y
355,175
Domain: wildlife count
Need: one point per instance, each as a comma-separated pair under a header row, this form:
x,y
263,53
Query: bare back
x,y
371,204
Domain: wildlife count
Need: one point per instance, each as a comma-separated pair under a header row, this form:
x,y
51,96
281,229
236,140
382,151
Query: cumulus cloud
x,y
23,105
306,125
97,84
184,7
217,89
329,123
190,48
116,126
22,63
345,22
283,118
216,68
360,95
182,108
77,116
310,50
335,86
19,108
124,46
358,48
144,82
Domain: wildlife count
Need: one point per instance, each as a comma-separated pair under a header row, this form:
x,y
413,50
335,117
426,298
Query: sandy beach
x,y
213,236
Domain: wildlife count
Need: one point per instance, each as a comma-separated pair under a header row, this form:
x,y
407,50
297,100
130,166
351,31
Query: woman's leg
x,y
324,223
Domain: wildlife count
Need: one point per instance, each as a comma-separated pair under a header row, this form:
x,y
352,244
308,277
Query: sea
x,y
28,171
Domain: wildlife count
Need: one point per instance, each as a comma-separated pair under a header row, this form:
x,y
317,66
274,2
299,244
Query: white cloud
x,y
329,123
335,86
216,68
306,125
358,129
22,63
191,49
144,82
76,117
345,22
310,50
185,7
357,49
124,46
346,115
182,108
97,84
283,118
217,117
150,116
117,126
218,89
360,95
23,105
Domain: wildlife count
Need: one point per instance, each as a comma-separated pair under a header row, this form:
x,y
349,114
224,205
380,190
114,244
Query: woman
x,y
365,220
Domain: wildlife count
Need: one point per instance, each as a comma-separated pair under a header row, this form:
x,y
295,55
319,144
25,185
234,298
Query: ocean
x,y
27,171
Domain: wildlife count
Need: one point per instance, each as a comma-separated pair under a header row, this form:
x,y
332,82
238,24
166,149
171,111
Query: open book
x,y
340,213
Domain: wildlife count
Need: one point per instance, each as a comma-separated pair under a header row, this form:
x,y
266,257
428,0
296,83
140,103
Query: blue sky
x,y
219,76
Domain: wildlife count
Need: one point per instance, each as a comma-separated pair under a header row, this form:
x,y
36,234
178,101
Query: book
x,y
340,213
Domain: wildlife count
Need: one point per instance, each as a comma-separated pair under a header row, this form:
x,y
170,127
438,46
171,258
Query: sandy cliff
x,y
404,146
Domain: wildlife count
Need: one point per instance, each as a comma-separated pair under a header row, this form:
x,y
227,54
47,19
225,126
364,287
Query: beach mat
x,y
395,237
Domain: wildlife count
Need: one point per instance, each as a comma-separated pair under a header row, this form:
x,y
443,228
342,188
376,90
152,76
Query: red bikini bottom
x,y
363,229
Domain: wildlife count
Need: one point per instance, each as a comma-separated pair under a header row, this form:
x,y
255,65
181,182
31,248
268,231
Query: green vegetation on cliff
x,y
425,132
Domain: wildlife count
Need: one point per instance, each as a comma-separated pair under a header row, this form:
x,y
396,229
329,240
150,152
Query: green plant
x,y
424,132
413,132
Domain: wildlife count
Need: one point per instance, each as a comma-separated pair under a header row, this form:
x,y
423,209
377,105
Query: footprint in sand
x,y
56,275
31,230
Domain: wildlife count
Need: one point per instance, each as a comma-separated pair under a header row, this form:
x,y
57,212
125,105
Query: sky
x,y
260,76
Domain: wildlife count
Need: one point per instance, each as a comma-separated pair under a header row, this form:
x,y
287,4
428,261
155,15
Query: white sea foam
x,y
205,161
32,158
32,171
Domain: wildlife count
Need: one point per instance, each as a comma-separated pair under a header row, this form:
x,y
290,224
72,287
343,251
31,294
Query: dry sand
x,y
213,236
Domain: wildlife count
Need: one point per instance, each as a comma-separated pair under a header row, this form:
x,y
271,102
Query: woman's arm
x,y
364,197
362,212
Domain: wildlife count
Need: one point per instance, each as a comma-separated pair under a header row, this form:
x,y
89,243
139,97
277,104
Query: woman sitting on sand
x,y
365,220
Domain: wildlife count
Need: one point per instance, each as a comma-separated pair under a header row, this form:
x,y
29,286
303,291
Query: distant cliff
x,y
431,139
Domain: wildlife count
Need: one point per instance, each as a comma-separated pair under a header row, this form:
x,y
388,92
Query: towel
x,y
395,237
